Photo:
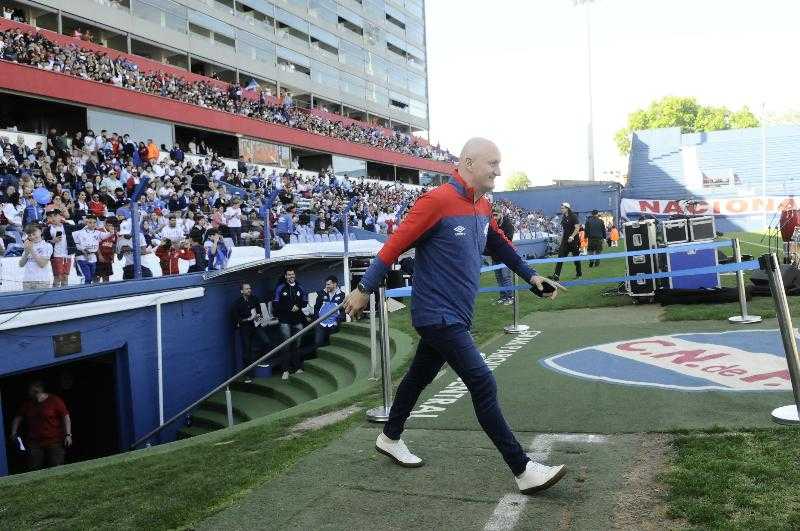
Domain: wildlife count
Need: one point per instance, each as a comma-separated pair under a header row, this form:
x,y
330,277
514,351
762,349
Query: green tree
x,y
518,181
686,113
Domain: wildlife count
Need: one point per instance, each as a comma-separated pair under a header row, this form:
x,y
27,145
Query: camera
x,y
59,234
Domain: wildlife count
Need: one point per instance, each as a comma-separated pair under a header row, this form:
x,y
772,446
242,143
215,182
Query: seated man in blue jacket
x,y
290,299
327,299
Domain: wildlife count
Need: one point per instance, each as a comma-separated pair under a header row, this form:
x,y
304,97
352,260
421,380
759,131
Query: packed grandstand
x,y
37,50
190,194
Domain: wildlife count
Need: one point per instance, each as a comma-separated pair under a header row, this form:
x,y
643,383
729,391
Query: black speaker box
x,y
791,280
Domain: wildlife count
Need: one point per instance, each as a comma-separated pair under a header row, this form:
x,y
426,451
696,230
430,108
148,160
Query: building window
x,y
291,27
395,17
291,61
323,10
258,13
324,41
350,21
398,101
325,75
351,54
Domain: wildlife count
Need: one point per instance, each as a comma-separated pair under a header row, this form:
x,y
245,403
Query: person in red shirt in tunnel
x,y
47,425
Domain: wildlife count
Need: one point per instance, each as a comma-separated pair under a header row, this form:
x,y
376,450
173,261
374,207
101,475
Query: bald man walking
x,y
451,227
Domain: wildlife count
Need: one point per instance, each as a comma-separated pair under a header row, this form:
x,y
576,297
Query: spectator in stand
x,y
125,252
47,425
285,226
327,299
106,251
290,299
59,234
35,259
97,208
176,154
87,243
233,219
217,253
248,314
200,260
172,231
168,255
152,151
13,211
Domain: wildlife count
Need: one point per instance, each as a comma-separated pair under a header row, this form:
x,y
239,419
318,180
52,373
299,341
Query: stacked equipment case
x,y
641,236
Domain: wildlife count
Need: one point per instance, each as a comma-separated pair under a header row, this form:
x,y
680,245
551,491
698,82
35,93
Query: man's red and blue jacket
x,y
451,232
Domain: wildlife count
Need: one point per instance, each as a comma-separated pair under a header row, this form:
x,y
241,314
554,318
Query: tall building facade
x,y
365,59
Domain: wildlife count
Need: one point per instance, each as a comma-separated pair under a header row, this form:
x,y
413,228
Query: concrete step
x,y
340,376
246,406
211,420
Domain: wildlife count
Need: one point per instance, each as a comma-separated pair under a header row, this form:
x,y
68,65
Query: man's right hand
x,y
355,302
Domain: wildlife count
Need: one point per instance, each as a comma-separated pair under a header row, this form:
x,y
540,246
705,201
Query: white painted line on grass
x,y
508,510
507,513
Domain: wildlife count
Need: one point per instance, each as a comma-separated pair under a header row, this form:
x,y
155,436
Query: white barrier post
x,y
381,413
373,343
229,406
770,264
516,328
744,318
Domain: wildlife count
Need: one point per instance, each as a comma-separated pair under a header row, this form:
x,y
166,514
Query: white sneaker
x,y
397,451
285,375
539,477
299,371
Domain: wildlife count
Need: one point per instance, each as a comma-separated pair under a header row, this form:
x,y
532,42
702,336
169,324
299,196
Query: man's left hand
x,y
539,282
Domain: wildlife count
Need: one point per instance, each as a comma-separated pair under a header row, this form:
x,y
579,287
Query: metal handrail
x,y
236,376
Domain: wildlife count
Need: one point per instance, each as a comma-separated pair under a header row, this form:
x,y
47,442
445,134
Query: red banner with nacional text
x,y
730,206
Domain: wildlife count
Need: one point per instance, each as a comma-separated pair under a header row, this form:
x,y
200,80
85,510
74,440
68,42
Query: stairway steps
x,y
341,357
335,367
342,376
214,420
190,431
246,406
281,390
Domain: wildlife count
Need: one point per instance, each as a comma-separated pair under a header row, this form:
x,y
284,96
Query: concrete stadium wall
x,y
199,345
602,196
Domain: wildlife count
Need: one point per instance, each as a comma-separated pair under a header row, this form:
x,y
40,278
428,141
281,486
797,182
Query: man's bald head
x,y
479,164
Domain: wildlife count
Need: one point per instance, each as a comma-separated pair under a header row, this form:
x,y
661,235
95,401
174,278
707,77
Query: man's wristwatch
x,y
361,288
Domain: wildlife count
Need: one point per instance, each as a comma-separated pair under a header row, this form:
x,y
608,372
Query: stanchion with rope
x,y
744,318
770,264
373,342
516,328
381,413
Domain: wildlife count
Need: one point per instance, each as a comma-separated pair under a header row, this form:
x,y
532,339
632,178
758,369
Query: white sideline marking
x,y
508,510
757,244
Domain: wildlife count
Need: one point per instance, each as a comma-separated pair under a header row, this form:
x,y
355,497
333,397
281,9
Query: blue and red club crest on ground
x,y
747,360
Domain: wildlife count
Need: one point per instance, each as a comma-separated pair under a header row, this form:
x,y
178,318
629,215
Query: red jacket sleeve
x,y
421,218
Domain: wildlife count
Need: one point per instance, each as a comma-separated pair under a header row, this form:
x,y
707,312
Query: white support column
x,y
160,354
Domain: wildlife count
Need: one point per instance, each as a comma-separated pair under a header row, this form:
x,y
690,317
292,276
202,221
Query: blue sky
x,y
515,71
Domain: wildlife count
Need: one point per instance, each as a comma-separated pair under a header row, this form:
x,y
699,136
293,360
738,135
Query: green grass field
x,y
724,480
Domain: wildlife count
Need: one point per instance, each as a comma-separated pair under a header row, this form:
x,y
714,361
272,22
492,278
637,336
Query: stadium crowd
x,y
36,50
76,189
528,222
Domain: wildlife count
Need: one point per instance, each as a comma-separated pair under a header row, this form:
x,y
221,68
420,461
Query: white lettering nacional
x,y
432,407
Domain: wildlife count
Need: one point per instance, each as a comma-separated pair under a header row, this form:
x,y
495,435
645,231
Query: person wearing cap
x,y
569,240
